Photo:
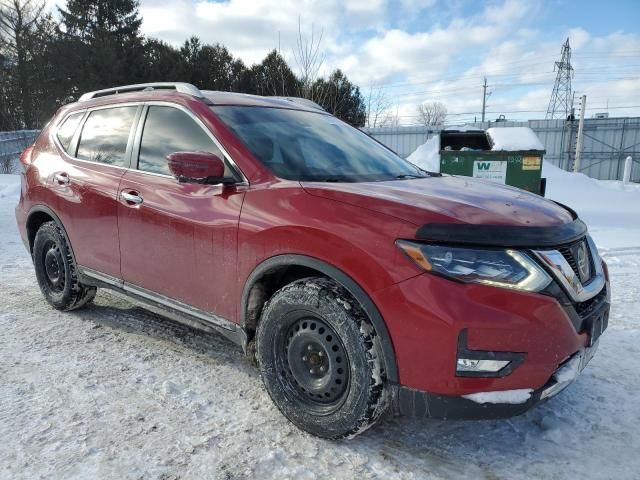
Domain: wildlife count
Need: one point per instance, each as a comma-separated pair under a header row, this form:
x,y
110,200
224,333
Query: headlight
x,y
499,268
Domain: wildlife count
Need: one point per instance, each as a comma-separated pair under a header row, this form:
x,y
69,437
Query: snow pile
x,y
504,396
610,209
569,371
427,155
9,186
512,139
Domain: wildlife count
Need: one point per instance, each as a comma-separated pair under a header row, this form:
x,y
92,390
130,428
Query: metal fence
x,y
11,145
606,143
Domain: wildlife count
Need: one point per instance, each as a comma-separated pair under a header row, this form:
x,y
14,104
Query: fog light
x,y
484,363
471,365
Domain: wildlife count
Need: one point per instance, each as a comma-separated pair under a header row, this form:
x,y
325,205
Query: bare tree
x,y
6,164
309,58
431,113
378,105
18,19
390,118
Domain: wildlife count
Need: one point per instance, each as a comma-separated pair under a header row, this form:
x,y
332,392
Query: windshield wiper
x,y
408,175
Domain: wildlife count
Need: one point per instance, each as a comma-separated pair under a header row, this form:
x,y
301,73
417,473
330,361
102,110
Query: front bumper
x,y
420,404
426,314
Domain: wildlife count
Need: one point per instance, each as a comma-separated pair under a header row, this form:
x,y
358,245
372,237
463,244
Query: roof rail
x,y
301,101
142,87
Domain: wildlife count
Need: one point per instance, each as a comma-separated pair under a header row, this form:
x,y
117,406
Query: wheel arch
x,y
260,285
38,215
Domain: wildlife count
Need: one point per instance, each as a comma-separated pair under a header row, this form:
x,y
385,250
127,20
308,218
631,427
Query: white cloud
x,y
250,29
416,5
444,61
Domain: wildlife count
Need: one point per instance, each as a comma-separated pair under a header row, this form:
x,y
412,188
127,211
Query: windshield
x,y
297,145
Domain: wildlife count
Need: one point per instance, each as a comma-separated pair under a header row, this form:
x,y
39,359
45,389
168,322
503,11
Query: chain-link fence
x,y
11,146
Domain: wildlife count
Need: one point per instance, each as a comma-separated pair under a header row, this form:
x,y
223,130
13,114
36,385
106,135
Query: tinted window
x,y
68,129
105,134
299,145
168,130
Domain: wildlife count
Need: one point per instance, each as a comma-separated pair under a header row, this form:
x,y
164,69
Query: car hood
x,y
447,199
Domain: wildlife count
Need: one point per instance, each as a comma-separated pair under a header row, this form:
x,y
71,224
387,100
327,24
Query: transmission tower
x,y
561,101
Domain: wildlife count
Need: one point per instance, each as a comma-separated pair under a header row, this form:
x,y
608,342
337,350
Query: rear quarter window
x,y
67,129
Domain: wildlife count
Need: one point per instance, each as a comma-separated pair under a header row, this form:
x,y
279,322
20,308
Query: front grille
x,y
584,309
568,256
567,253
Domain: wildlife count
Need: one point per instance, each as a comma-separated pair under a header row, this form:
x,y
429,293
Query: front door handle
x,y
131,198
61,178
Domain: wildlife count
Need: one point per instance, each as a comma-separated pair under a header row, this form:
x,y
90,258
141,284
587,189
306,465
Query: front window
x,y
307,146
168,130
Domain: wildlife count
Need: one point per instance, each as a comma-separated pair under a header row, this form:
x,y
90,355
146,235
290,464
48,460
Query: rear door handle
x,y
131,198
61,178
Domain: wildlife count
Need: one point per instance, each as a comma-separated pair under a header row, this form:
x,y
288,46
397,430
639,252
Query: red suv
x,y
358,282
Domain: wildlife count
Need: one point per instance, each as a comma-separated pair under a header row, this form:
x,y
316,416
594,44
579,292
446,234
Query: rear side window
x,y
68,129
168,130
105,134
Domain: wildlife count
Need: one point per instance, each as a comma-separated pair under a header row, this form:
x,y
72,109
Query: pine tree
x,y
273,76
106,41
338,96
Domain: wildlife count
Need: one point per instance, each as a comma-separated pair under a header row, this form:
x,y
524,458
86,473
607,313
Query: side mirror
x,y
196,167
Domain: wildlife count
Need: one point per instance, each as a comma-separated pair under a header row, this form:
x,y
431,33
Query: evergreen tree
x,y
218,69
106,41
162,62
97,44
273,77
338,96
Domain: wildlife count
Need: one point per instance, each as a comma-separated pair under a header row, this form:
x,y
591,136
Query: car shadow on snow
x,y
549,427
116,312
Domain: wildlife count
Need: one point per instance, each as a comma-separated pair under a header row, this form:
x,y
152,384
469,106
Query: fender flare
x,y
44,209
343,279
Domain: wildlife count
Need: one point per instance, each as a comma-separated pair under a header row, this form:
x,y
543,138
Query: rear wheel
x,y
56,270
320,359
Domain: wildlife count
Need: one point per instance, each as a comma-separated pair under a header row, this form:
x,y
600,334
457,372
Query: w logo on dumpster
x,y
490,170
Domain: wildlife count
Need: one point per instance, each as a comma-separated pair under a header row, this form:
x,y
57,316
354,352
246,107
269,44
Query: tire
x,y
56,270
320,359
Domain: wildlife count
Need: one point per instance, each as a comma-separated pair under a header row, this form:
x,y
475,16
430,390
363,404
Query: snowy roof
x,y
513,139
464,128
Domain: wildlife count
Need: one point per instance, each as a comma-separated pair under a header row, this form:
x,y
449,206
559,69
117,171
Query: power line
x,y
522,111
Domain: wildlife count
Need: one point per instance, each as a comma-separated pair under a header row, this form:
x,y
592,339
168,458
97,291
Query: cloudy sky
x,y
435,50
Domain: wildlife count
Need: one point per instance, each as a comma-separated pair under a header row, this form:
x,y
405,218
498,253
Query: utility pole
x,y
484,97
583,107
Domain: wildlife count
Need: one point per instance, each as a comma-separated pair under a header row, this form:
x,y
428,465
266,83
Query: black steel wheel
x,y
54,266
320,359
56,270
313,362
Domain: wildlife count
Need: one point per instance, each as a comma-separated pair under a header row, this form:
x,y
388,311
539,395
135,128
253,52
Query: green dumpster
x,y
509,155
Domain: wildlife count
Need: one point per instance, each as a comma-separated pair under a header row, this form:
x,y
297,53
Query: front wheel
x,y
320,359
56,270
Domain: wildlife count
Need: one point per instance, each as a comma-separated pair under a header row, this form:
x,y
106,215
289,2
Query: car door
x,y
96,155
177,239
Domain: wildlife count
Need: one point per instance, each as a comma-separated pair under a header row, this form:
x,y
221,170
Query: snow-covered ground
x,y
113,391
